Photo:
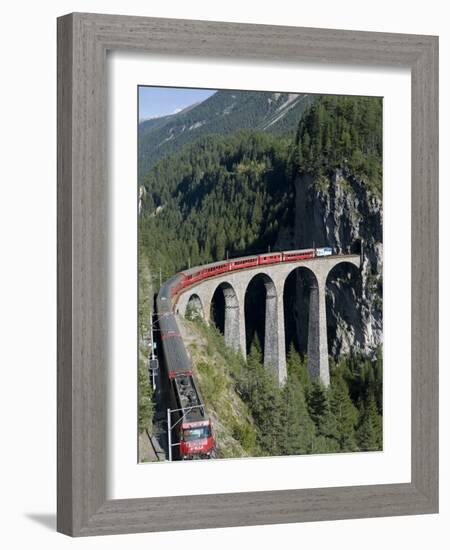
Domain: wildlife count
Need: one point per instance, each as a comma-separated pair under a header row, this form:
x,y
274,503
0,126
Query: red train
x,y
212,270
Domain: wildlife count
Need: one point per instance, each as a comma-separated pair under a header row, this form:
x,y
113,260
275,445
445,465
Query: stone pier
x,y
274,340
317,351
232,318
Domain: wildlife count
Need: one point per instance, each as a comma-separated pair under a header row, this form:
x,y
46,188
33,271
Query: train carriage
x,y
294,255
242,263
274,258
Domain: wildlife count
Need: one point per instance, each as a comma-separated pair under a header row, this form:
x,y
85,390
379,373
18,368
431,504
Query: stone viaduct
x,y
234,286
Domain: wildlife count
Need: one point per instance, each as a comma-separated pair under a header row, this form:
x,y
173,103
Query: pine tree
x,y
378,388
268,417
220,243
320,412
194,252
345,413
296,367
306,148
297,426
369,433
254,361
264,398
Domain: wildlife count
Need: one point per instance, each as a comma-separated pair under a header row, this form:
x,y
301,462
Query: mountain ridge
x,y
224,112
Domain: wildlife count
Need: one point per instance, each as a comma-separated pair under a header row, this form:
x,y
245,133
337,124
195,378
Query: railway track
x,y
159,452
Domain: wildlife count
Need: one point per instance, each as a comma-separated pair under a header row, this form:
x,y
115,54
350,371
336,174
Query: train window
x,y
196,433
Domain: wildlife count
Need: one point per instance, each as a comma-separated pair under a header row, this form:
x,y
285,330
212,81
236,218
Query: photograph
x,y
260,273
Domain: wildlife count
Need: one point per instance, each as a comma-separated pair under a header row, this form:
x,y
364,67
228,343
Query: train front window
x,y
192,434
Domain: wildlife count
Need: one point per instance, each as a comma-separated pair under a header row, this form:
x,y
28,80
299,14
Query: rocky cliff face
x,y
342,212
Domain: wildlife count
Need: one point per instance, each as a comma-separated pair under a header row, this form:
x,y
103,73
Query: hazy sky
x,y
155,102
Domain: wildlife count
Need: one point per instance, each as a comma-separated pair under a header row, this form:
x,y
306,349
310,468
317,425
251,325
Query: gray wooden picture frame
x,y
83,41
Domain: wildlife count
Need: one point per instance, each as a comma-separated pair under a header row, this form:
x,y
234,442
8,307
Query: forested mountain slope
x,y
225,112
220,195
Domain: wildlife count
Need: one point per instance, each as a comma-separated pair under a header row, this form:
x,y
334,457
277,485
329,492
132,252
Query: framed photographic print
x,y
247,274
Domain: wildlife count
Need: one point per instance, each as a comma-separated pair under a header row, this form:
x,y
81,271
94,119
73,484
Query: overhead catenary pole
x,y
169,435
151,337
185,411
152,353
153,364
